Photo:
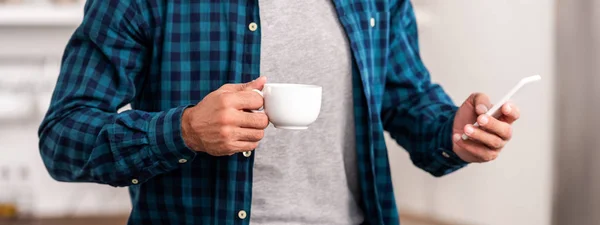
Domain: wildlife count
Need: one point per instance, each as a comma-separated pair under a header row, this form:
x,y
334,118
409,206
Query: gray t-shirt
x,y
307,176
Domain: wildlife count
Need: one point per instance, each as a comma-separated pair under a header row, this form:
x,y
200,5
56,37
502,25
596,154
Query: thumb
x,y
258,83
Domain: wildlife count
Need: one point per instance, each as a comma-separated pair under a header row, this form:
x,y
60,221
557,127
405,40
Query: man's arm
x,y
417,113
82,137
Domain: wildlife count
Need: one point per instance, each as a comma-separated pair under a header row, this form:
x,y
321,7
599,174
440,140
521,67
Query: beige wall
x,y
488,46
578,183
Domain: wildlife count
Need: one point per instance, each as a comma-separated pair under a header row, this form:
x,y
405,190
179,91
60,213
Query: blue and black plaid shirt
x,y
163,56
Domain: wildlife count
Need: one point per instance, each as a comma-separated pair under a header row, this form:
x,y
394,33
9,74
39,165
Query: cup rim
x,y
292,85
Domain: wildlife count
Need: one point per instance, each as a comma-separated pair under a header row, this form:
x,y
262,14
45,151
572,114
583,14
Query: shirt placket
x,y
250,71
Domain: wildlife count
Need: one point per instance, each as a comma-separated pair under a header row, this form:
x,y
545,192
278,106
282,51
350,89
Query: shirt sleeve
x,y
82,137
417,113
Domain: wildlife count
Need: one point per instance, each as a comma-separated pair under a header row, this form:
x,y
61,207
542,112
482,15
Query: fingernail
x,y
456,137
508,108
469,129
483,119
481,108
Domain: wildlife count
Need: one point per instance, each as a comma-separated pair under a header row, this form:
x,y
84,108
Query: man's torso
x,y
198,46
309,176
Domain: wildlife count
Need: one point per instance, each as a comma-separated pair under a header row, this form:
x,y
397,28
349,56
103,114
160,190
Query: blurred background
x,y
546,175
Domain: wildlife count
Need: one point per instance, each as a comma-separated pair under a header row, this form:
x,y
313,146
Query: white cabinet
x,y
19,15
32,40
19,74
18,81
15,107
48,78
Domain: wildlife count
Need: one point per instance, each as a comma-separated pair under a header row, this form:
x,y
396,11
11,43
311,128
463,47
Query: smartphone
x,y
496,111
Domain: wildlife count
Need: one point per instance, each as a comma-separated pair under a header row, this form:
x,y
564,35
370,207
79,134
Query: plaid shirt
x,y
164,56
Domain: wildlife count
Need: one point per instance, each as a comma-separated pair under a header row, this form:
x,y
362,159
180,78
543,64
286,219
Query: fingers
x,y
234,140
252,120
481,102
244,140
258,83
510,113
241,146
248,135
242,100
490,140
474,151
495,126
481,109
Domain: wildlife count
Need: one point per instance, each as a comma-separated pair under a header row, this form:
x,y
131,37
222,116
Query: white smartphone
x,y
496,111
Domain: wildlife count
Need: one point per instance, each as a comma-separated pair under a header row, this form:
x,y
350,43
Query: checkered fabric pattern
x,y
165,56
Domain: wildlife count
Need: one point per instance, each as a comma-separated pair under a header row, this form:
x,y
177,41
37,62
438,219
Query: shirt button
x,y
247,154
252,26
134,181
182,161
242,214
445,154
372,22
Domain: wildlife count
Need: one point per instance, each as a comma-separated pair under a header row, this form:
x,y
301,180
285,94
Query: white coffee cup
x,y
291,106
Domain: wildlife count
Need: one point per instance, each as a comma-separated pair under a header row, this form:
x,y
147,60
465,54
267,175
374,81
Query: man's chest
x,y
197,46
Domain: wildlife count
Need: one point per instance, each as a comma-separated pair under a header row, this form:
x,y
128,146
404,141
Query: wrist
x,y
186,128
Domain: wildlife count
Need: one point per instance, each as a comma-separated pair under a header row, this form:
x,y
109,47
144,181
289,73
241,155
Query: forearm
x,y
417,113
89,145
82,137
424,129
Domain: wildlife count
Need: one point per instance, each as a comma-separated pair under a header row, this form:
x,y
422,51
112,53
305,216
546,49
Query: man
x,y
190,150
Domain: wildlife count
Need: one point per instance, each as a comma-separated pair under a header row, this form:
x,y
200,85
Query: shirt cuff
x,y
167,144
444,153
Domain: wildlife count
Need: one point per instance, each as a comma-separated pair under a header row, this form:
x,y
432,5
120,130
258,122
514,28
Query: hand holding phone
x,y
495,110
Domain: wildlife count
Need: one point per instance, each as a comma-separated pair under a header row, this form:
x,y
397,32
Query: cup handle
x,y
261,95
